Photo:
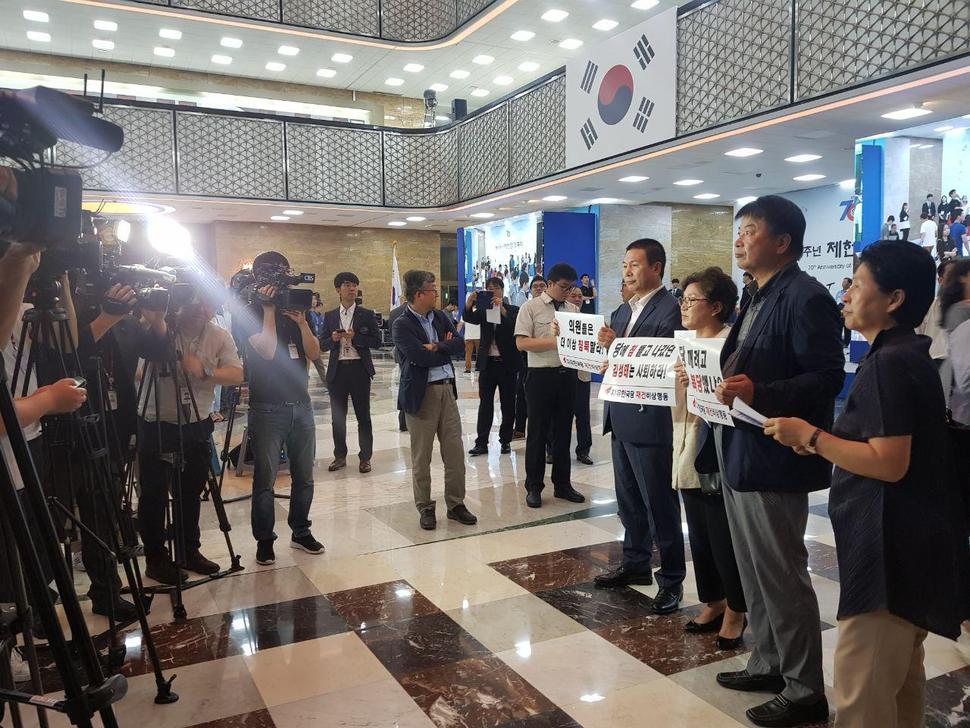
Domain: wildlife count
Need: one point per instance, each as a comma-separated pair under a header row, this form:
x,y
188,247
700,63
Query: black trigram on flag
x,y
644,51
589,77
642,118
588,132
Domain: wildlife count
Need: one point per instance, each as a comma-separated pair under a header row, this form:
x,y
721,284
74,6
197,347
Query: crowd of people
x,y
942,227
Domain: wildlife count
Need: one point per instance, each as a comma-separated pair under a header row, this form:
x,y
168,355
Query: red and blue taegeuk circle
x,y
615,95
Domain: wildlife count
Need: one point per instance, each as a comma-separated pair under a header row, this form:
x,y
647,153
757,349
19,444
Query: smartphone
x,y
80,382
485,299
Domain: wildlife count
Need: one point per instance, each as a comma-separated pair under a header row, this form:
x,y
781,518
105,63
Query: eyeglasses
x,y
688,302
567,286
429,290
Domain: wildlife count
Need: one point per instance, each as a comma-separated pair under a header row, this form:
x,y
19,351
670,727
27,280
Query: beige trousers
x,y
438,416
879,677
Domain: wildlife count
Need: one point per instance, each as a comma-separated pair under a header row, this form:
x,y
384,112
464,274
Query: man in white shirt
x,y
927,233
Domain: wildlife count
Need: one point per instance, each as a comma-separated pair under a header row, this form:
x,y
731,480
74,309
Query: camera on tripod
x,y
246,285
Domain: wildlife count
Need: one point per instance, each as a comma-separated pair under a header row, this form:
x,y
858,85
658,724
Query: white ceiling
x,y
72,32
828,129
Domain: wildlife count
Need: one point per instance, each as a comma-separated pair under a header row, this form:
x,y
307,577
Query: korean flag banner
x,y
622,94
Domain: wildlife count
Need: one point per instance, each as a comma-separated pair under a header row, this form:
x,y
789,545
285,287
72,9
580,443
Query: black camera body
x,y
286,298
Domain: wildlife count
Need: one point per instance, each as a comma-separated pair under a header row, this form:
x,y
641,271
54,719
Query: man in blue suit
x,y
426,340
784,358
643,440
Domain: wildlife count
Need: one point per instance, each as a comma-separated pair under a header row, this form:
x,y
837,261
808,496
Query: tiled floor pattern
x,y
496,625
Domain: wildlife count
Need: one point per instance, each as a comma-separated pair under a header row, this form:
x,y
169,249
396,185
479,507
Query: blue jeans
x,y
270,427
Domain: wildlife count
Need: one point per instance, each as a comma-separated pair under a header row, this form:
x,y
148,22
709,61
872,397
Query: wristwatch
x,y
814,440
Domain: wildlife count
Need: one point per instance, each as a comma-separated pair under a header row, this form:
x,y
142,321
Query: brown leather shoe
x,y
364,466
337,464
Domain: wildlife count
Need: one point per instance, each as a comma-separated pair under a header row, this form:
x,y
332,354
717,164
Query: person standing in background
x,y
840,303
887,227
958,231
472,334
904,221
588,289
932,325
929,208
521,293
584,431
927,232
675,290
315,320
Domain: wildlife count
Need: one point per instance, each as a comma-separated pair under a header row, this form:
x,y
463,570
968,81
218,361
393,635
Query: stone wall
x,y
701,236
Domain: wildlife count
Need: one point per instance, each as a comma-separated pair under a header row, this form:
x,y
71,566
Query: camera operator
x,y
279,345
207,357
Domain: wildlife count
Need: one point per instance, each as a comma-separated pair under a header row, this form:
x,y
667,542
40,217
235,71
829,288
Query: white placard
x,y
702,362
577,344
641,371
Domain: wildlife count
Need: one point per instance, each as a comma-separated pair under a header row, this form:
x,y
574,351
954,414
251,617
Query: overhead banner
x,y
640,370
577,344
702,362
622,94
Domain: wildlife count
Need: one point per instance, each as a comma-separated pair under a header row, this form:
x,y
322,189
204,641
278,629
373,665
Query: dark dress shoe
x,y
748,683
780,712
668,599
506,448
623,576
364,466
428,521
198,563
337,464
124,611
163,571
695,627
461,514
731,643
478,450
570,494
518,435
533,499
584,459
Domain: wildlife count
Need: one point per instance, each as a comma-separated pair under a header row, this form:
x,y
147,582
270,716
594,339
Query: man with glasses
x,y
550,388
426,340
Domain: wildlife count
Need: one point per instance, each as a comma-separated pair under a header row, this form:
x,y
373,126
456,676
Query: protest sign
x,y
702,362
641,371
576,343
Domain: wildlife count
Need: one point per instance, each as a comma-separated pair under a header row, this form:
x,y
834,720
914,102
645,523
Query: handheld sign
x,y
702,362
641,371
576,344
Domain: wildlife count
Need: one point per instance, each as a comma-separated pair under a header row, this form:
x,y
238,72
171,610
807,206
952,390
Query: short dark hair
x,y
900,265
675,280
747,275
718,288
414,281
929,195
890,219
536,279
782,216
584,275
941,268
561,272
653,250
523,278
496,282
345,277
951,192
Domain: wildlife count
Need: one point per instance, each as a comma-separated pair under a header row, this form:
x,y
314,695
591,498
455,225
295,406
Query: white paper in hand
x,y
746,413
493,315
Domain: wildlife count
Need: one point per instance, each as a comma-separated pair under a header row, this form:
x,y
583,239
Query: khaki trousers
x,y
438,416
879,677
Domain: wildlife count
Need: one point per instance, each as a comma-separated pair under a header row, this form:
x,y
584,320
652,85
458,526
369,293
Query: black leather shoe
x,y
748,683
533,499
337,464
570,494
198,563
695,627
780,712
668,599
731,643
584,459
478,450
428,520
461,514
506,448
163,571
124,611
622,576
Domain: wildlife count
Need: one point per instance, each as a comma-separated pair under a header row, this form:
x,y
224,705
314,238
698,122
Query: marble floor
x,y
485,626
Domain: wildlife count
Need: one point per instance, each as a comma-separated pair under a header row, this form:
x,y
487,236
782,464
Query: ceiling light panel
x,y
808,177
219,59
743,152
394,82
707,196
413,68
229,42
689,182
326,73
438,87
605,24
103,45
904,114
802,158
634,178
480,92
570,44
522,35
503,80
36,16
38,36
483,59
287,50
341,58
109,26
275,66
645,4
555,16
528,66
459,73
170,34
554,198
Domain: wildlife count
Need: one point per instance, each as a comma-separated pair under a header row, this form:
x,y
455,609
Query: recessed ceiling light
x,y
802,158
37,16
605,24
847,184
439,87
439,117
166,52
170,34
554,198
483,215
293,213
910,113
38,36
397,223
570,44
287,50
341,58
634,178
459,73
743,152
945,127
394,81
220,59
279,218
706,196
108,26
483,59
645,4
415,218
555,16
808,177
742,201
275,66
326,72
605,201
503,80
528,66
228,42
103,45
480,92
522,35
413,67
689,182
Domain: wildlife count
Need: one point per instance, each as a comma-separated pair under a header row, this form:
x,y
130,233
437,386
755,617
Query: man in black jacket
x,y
349,332
402,424
784,358
498,365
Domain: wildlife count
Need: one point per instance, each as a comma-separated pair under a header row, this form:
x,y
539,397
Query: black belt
x,y
441,381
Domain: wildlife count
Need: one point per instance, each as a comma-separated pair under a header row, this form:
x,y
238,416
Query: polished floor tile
x,y
256,719
509,623
375,705
368,606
